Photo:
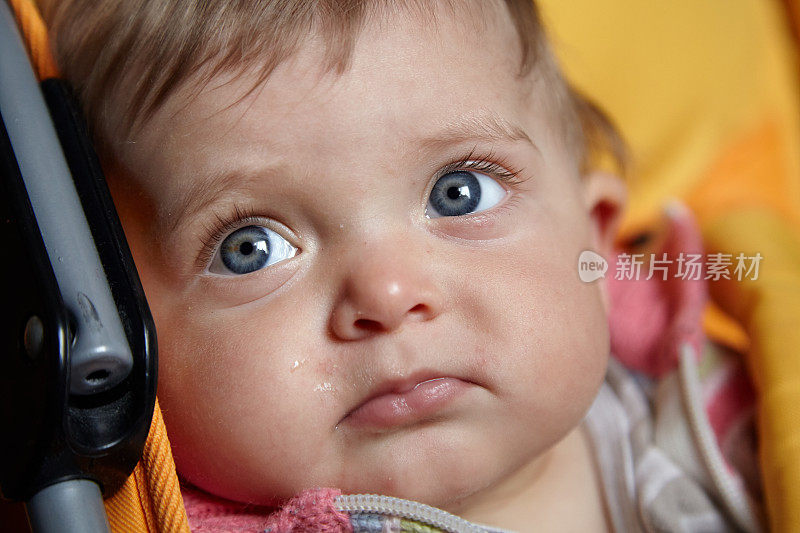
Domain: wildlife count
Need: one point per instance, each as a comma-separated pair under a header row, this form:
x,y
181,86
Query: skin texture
x,y
258,372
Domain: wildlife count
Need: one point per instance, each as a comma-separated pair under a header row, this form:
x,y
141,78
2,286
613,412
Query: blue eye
x,y
249,249
463,192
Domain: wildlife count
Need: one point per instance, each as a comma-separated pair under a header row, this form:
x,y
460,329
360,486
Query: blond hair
x,y
145,49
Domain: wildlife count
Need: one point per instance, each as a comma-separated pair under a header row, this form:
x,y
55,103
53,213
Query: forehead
x,y
411,81
398,43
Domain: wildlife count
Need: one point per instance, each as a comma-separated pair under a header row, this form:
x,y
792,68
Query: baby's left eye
x,y
463,192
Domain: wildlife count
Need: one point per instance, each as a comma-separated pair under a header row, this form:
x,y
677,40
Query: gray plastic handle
x,y
73,506
100,356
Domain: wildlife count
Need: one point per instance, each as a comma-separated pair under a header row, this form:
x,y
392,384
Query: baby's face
x,y
335,306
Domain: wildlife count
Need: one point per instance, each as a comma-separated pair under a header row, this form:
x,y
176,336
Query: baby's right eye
x,y
249,249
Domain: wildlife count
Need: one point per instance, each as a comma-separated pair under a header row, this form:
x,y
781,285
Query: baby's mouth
x,y
393,405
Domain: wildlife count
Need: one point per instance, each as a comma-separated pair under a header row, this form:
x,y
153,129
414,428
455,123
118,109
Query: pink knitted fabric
x,y
649,318
311,510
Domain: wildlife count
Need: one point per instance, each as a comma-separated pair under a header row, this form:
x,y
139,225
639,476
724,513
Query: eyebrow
x,y
201,194
478,126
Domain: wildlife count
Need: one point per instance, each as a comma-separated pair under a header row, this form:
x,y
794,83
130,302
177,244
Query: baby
x,y
358,225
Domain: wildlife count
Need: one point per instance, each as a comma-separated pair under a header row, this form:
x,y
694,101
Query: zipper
x,y
410,510
734,500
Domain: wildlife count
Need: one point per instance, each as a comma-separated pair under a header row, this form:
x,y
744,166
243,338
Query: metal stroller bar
x,y
78,357
100,357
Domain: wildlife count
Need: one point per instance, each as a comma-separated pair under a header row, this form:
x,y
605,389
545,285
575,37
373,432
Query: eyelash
x,y
217,230
490,165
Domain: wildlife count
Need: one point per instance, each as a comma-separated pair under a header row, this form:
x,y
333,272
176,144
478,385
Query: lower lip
x,y
399,409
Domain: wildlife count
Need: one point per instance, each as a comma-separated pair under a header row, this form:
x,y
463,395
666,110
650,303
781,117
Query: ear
x,y
605,195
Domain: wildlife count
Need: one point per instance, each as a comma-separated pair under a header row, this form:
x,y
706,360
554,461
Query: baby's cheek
x,y
556,327
237,418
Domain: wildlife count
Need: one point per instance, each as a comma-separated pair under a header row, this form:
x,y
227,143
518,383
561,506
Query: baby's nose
x,y
381,294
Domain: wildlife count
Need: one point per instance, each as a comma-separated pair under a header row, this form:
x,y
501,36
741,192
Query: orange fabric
x,y
793,12
150,500
724,329
729,184
35,33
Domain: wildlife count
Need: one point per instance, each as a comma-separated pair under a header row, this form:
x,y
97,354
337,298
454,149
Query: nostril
x,y
419,308
367,324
